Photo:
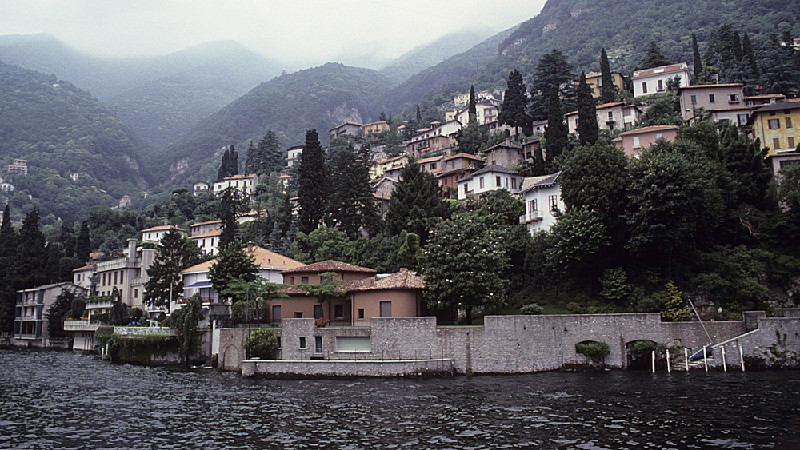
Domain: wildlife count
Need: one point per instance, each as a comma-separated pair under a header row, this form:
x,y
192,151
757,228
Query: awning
x,y
200,284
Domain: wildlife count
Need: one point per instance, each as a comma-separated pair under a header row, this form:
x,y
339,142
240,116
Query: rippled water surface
x,y
62,400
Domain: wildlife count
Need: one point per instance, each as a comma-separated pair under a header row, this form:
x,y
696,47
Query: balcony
x,y
532,216
80,325
100,305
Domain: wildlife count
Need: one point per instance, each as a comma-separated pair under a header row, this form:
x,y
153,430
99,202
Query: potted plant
x,y
322,322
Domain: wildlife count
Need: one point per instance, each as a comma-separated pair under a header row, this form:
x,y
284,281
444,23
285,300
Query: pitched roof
x,y
163,228
330,266
780,106
206,223
603,106
263,259
712,86
660,70
504,144
649,129
464,155
241,176
211,233
404,279
531,183
90,266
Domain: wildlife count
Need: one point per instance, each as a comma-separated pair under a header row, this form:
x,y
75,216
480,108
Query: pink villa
x,y
632,142
363,295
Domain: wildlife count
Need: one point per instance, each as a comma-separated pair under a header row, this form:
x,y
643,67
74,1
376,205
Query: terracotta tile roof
x,y
241,176
603,106
431,159
96,255
660,70
492,169
211,233
163,228
464,155
90,266
263,259
206,223
712,86
404,279
330,266
649,129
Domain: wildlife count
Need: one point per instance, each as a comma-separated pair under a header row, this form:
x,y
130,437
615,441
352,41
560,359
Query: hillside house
x,y
595,82
537,127
207,242
347,128
244,183
200,188
18,167
543,202
30,313
764,99
432,165
374,128
610,116
378,168
155,234
486,113
505,154
439,138
632,142
778,127
724,102
448,180
490,178
655,80
293,155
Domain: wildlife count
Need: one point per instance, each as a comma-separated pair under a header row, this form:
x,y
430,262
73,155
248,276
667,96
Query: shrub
x,y
593,349
641,347
140,348
531,309
103,334
261,344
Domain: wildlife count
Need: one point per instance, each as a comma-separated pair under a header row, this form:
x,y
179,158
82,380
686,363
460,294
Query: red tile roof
x,y
330,266
404,279
650,128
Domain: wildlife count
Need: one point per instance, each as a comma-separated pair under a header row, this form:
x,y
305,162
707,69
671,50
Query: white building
x,y
610,116
244,183
543,203
490,178
155,234
654,81
293,155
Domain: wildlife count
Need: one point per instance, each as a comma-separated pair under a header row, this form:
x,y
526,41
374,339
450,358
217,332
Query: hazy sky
x,y
301,30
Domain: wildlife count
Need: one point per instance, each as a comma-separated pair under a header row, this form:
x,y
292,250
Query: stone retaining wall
x,y
346,368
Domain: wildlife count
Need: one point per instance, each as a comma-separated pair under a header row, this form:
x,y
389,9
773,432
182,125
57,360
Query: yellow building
x,y
379,167
374,128
777,126
594,80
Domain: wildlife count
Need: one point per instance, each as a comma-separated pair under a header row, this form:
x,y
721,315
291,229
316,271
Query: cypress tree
x,y
698,62
473,111
32,251
416,201
654,58
749,56
83,245
608,92
233,163
352,205
228,206
515,102
9,281
587,113
222,172
555,134
312,181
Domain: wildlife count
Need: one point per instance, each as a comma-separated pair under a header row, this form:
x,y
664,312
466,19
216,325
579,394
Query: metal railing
x,y
531,216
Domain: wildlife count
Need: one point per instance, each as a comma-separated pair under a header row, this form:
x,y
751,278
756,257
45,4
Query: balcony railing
x,y
80,325
531,216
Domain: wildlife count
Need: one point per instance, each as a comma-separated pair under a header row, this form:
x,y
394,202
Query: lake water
x,y
54,399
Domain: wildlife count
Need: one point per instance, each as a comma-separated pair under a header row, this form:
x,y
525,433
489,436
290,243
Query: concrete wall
x,y
521,344
346,368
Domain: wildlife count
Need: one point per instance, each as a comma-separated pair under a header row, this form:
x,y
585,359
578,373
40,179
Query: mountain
x,y
448,76
320,97
425,56
161,97
79,154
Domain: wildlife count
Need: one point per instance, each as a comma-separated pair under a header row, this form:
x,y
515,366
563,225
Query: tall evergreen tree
x,y
83,245
749,57
654,58
229,206
267,157
556,133
232,265
608,91
471,137
222,172
514,111
472,109
9,278
233,162
587,113
416,202
174,253
32,251
312,180
552,72
352,206
698,62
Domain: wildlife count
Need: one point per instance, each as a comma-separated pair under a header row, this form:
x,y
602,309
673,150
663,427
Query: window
x,y
317,311
291,280
302,343
433,166
733,98
774,124
513,183
386,309
659,135
276,313
553,201
361,313
711,98
317,344
279,342
636,142
660,85
304,280
338,312
693,99
610,115
121,277
481,182
788,122
533,205
644,87
790,142
497,181
776,144
298,315
135,293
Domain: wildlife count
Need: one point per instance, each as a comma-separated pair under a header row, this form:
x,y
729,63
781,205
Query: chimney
x,y
132,248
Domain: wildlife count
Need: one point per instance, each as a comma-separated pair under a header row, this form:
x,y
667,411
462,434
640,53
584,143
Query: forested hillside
x,y
321,97
62,131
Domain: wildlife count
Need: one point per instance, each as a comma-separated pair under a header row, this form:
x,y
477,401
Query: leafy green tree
x,y
514,110
322,244
232,266
615,286
174,253
471,137
187,321
663,109
253,296
654,58
464,260
555,133
750,58
588,128
261,343
416,202
313,189
608,90
58,311
119,313
579,238
675,308
352,205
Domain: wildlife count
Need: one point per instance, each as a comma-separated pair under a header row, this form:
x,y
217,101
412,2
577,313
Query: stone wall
x,y
516,344
346,368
